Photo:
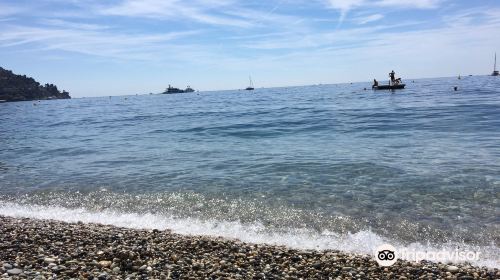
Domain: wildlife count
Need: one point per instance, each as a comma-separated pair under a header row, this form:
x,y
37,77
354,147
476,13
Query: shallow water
x,y
326,166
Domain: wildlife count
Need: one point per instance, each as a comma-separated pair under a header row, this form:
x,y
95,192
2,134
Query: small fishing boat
x,y
250,86
495,71
391,87
393,83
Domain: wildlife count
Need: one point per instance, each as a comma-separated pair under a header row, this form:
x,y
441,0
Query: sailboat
x,y
250,87
495,71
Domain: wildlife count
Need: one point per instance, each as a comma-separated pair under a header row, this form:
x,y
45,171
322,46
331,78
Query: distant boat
x,y
495,71
171,90
250,87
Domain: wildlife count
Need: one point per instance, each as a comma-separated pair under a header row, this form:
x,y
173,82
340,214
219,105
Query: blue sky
x,y
93,47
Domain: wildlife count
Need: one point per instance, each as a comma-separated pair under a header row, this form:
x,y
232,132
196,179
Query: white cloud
x,y
149,8
203,11
344,6
74,25
419,4
367,19
468,16
8,10
90,42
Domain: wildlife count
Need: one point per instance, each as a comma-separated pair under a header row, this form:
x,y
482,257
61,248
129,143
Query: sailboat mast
x,y
495,66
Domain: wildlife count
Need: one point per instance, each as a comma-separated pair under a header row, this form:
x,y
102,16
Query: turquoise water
x,y
325,166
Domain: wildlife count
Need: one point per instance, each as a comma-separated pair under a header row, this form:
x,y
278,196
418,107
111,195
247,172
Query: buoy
x,y
455,88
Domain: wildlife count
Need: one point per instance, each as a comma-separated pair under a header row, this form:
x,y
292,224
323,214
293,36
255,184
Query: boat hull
x,y
389,87
173,91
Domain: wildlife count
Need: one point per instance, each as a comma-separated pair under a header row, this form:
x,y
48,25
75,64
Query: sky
x,y
119,47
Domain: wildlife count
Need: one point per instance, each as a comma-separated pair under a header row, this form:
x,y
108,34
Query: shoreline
x,y
42,249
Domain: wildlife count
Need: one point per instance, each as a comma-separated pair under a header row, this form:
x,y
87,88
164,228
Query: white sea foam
x,y
362,242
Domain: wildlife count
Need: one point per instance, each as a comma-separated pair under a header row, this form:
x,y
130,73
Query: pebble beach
x,y
47,249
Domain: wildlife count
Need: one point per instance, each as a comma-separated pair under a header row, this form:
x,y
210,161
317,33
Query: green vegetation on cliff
x,y
21,88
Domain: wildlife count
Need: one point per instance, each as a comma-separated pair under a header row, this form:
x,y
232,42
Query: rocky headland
x,y
22,88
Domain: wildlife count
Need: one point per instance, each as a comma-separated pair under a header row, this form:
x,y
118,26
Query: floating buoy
x,y
455,88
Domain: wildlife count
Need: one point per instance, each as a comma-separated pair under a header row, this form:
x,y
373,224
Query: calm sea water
x,y
325,167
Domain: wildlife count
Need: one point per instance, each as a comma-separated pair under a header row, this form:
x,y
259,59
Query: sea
x,y
324,167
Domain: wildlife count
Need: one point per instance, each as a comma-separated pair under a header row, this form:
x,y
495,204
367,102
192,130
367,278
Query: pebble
x,y
105,263
49,260
7,266
14,271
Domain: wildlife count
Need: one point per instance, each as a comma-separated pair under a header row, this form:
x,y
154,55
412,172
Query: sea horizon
x,y
370,83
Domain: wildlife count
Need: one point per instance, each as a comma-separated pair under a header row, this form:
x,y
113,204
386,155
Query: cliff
x,y
21,88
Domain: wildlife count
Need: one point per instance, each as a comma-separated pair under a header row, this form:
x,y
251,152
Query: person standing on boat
x,y
375,83
393,77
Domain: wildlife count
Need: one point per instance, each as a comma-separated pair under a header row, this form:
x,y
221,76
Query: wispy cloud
x,y
339,38
419,4
367,19
9,10
470,16
203,11
344,6
73,25
90,42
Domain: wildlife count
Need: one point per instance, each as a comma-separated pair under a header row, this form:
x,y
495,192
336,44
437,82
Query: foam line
x,y
362,242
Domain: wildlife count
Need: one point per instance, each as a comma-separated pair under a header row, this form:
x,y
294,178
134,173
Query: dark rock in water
x,y
21,88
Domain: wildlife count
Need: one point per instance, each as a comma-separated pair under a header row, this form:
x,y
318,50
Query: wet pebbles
x,y
44,249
